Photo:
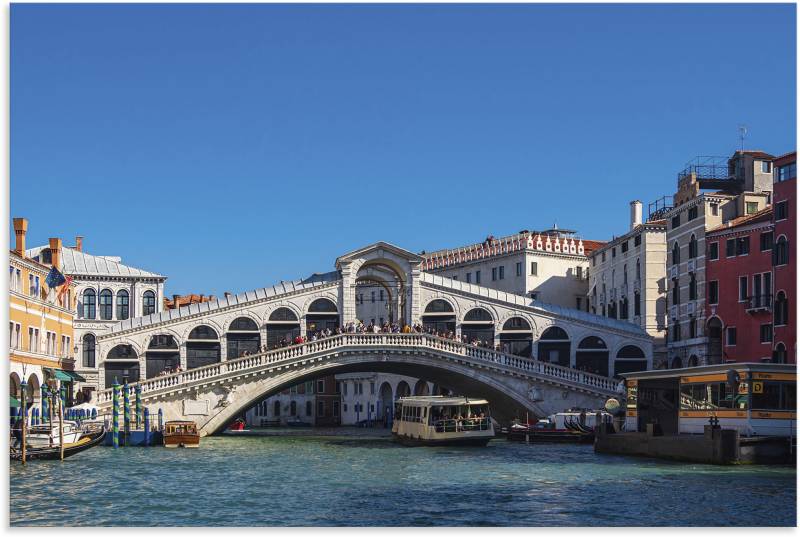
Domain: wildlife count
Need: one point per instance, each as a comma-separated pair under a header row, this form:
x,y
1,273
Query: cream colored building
x,y
41,338
628,278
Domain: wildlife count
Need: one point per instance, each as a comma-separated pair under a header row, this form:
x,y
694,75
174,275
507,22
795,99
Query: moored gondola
x,y
86,441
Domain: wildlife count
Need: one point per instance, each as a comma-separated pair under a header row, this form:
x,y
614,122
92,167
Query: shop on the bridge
x,y
282,327
478,325
322,314
554,346
517,337
753,398
592,356
122,364
439,317
202,347
243,336
162,355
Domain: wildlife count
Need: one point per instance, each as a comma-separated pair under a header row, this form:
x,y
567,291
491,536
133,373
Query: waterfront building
x,y
370,396
739,286
41,319
628,277
550,266
784,258
294,404
107,292
742,185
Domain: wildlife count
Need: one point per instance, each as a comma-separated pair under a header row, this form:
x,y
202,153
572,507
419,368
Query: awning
x,y
65,376
74,376
14,402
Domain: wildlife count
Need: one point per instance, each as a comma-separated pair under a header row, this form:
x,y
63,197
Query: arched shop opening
x,y
385,401
202,347
242,336
122,364
282,327
517,337
439,317
631,358
478,325
162,355
403,390
421,388
322,314
554,346
592,356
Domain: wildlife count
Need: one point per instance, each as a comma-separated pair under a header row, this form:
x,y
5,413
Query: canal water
x,y
357,478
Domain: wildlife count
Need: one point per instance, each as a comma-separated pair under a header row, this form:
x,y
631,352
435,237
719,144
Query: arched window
x,y
243,338
779,354
148,303
692,286
322,315
293,408
89,304
478,315
283,314
322,305
630,358
243,324
781,309
554,333
88,350
554,346
638,270
438,306
122,352
592,356
309,408
123,307
516,323
676,363
203,332
106,304
276,409
676,253
693,247
202,347
693,361
781,255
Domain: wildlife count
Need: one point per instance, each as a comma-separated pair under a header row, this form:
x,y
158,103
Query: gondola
x,y
88,440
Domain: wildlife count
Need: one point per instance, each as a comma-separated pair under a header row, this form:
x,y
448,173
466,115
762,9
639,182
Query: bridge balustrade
x,y
378,341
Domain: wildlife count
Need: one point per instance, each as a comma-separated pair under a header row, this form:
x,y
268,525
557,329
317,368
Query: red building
x,y
739,286
785,271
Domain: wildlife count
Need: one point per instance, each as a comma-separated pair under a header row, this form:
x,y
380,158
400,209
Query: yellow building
x,y
40,323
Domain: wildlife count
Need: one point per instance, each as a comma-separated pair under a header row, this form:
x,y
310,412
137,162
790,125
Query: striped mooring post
x,y
115,413
160,420
13,416
146,427
45,403
126,409
138,391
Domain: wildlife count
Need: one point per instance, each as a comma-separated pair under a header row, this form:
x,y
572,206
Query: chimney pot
x,y
55,252
636,213
227,294
79,243
20,229
175,301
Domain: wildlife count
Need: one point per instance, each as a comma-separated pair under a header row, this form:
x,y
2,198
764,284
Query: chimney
x,y
20,228
79,243
202,297
211,298
55,252
227,294
636,213
175,301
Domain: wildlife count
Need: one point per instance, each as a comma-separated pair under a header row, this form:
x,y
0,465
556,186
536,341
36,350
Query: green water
x,y
356,478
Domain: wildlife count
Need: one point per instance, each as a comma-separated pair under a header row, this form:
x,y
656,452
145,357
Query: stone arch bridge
x,y
545,351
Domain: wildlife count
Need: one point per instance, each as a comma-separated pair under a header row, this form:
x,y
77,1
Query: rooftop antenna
x,y
742,134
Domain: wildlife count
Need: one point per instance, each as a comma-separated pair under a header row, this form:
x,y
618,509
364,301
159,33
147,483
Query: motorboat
x,y
571,427
438,420
181,434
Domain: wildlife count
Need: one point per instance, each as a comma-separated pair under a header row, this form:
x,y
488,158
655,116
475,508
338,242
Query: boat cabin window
x,y
713,395
774,395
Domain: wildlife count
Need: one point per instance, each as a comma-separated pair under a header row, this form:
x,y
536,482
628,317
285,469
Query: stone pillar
x,y
182,353
347,295
413,306
223,348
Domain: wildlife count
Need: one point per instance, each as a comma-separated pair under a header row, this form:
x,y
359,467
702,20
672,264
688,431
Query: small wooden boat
x,y
87,440
181,434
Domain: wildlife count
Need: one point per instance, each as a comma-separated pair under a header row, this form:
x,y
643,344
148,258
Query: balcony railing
x,y
758,303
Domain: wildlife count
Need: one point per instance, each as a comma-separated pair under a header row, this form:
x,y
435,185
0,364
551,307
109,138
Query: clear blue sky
x,y
230,147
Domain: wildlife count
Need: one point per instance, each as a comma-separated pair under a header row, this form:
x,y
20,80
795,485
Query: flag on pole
x,y
54,278
64,287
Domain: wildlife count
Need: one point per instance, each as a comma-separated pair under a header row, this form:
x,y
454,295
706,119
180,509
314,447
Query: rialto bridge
x,y
543,365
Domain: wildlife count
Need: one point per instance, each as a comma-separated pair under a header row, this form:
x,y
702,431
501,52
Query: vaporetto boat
x,y
442,420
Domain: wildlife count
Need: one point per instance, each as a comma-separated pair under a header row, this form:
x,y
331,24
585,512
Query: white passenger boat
x,y
41,436
442,420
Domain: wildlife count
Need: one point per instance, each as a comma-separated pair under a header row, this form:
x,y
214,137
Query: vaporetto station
x,y
550,375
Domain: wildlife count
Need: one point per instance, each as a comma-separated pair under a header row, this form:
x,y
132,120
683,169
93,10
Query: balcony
x,y
758,303
711,173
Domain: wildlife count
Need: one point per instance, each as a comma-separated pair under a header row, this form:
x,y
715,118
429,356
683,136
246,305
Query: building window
x,y
765,166
494,274
730,336
577,302
372,388
730,248
614,252
534,268
693,247
309,408
676,220
477,277
535,296
469,277
676,291
692,327
781,309
787,172
765,241
781,252
637,240
637,304
579,272
123,309
782,210
148,303
713,292
502,273
676,331
594,261
692,287
638,270
336,409
33,339
751,207
766,333
519,268
106,304
320,386
624,247
743,246
715,209
713,251
676,253
89,304
603,258
88,350
373,296
742,288
320,409
692,213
